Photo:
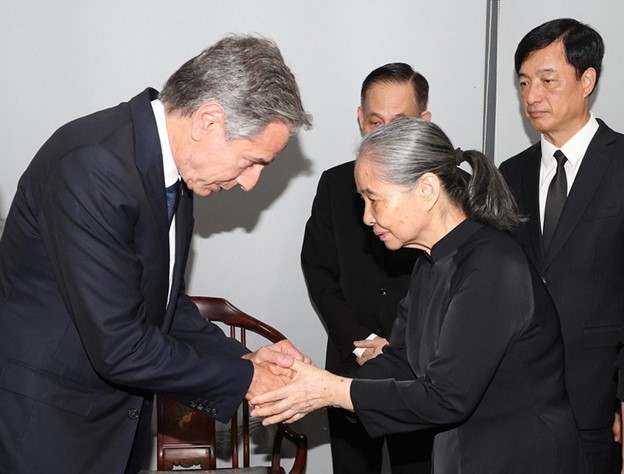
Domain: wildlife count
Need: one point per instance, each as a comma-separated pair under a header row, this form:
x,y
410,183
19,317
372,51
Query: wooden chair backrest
x,y
188,438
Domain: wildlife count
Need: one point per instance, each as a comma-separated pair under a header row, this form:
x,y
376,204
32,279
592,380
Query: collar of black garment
x,y
453,240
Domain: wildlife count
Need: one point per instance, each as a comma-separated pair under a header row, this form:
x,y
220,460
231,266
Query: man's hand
x,y
617,430
372,348
272,366
281,353
267,377
617,424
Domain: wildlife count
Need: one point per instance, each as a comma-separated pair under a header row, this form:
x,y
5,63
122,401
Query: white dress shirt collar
x,y
171,176
574,149
169,167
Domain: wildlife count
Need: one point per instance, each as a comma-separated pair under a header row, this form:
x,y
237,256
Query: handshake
x,y
286,386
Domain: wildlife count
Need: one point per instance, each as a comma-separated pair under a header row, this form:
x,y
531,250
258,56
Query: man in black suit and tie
x,y
355,283
569,186
93,315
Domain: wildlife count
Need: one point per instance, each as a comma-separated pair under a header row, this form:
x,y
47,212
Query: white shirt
x,y
574,150
170,173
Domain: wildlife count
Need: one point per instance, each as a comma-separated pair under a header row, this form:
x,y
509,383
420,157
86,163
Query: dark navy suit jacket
x,y
86,334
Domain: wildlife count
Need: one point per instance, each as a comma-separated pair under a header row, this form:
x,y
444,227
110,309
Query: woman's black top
x,y
476,351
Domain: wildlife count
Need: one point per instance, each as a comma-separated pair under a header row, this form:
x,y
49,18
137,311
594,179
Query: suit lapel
x,y
149,162
593,167
149,158
530,203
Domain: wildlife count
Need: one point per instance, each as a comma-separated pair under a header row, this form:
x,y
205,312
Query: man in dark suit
x,y
93,318
569,186
355,283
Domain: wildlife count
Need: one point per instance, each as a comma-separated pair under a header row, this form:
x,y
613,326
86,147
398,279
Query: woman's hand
x,y
310,389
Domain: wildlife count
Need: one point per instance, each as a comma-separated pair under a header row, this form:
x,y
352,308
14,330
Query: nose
x,y
533,93
367,218
249,177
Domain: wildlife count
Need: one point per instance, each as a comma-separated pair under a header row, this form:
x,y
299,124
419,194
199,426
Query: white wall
x,y
64,59
513,132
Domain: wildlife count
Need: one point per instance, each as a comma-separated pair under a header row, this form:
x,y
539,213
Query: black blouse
x,y
476,350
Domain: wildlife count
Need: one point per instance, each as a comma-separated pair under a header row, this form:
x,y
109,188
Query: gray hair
x,y
404,150
247,76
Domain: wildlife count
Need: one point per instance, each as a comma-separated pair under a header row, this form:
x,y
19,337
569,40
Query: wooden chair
x,y
188,438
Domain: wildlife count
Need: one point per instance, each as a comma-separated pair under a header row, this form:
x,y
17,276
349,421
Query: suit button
x,y
544,280
133,413
383,292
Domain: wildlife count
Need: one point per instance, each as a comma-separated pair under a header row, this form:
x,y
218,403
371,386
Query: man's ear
x,y
206,117
426,115
588,79
360,114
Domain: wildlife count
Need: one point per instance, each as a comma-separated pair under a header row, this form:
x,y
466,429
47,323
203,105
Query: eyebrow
x,y
539,71
378,115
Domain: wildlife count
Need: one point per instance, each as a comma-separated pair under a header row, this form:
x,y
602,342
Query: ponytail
x,y
406,149
486,197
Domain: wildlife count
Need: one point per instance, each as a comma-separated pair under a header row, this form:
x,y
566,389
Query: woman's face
x,y
396,213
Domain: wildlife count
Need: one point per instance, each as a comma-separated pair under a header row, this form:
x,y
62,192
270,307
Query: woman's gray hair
x,y
404,150
247,76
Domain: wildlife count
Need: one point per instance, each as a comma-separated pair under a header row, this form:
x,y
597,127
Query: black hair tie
x,y
459,156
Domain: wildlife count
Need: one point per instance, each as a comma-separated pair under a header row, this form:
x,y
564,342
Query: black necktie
x,y
555,199
173,197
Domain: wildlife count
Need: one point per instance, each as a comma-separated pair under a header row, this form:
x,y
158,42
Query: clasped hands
x,y
286,386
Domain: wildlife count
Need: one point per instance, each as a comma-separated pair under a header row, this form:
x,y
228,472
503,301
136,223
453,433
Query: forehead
x,y
272,140
552,57
366,174
389,95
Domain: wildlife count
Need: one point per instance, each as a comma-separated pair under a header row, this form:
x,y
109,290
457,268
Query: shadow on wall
x,y
227,211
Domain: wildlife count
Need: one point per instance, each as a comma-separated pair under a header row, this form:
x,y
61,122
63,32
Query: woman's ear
x,y
428,190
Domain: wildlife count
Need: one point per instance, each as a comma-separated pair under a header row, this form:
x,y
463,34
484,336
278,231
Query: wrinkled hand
x,y
373,347
311,388
272,366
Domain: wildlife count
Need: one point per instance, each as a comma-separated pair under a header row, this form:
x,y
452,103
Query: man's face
x,y
212,163
387,102
554,100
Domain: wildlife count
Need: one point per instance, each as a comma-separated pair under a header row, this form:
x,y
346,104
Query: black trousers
x,y
354,452
602,454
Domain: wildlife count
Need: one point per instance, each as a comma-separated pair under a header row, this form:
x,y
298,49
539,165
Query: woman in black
x,y
476,348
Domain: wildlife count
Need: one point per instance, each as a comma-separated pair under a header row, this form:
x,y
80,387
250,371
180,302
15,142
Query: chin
x,y
393,245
